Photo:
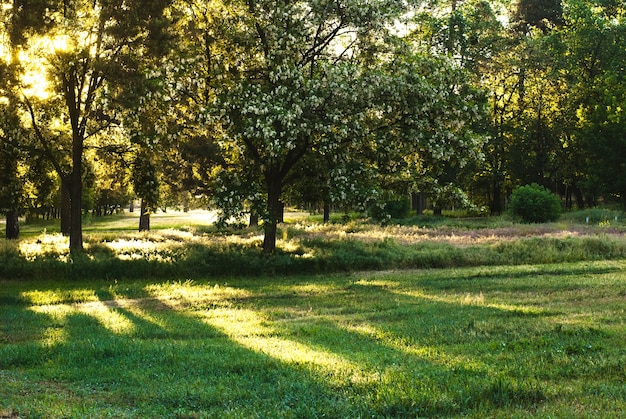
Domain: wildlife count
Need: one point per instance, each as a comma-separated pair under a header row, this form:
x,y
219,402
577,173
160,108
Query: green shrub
x,y
392,209
534,204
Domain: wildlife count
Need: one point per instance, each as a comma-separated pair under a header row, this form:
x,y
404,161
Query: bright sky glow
x,y
34,60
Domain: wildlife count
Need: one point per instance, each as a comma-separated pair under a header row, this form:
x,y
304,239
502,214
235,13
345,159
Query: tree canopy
x,y
248,105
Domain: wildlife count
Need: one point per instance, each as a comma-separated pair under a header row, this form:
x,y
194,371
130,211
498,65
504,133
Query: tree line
x,y
249,104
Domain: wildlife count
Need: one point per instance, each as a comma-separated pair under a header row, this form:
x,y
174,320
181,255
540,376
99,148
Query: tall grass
x,y
304,248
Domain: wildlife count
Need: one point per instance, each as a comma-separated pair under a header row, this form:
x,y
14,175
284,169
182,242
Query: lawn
x,y
474,342
345,321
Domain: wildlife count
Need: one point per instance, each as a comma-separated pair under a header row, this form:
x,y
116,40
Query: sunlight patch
x,y
189,294
429,353
251,330
109,318
37,297
469,299
46,245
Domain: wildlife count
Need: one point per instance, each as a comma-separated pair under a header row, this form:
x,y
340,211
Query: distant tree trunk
x,y
418,202
12,225
496,202
326,212
76,195
66,204
131,208
254,219
580,199
437,211
144,217
275,211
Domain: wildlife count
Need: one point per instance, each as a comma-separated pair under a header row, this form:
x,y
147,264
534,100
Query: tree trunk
x,y
496,202
66,205
418,202
326,212
580,199
254,219
76,210
144,217
275,210
270,227
281,212
13,225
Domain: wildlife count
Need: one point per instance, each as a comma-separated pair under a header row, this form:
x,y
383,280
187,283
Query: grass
x,y
346,320
183,245
125,222
545,341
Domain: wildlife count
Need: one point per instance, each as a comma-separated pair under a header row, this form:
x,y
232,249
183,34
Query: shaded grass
x,y
506,341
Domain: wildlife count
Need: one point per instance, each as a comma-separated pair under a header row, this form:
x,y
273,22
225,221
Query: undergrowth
x,y
305,248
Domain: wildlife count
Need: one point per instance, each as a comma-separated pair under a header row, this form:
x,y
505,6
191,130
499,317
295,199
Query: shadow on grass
x,y
161,363
349,348
425,357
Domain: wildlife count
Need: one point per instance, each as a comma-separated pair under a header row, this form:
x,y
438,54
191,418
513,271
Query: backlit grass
x,y
182,246
516,341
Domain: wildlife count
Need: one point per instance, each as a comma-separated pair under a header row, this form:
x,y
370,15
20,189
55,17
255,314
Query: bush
x,y
392,209
534,204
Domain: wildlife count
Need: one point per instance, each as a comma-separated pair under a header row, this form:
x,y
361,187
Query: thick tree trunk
x,y
13,225
144,217
66,207
275,211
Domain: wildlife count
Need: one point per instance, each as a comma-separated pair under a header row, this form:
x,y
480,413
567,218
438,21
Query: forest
x,y
245,106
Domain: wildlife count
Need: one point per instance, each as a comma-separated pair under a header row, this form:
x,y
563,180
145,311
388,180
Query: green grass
x,y
183,245
125,222
506,341
345,320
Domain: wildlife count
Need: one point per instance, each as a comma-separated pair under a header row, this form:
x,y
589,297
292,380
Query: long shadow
x,y
167,364
441,358
408,352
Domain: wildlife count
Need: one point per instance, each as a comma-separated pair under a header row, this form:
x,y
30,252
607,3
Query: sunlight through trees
x,y
248,106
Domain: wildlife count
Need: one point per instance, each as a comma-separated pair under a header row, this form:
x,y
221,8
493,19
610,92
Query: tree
x,y
91,53
10,158
12,133
277,89
464,37
589,61
540,14
279,82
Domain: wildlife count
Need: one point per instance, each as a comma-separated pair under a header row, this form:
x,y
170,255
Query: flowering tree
x,y
274,89
262,85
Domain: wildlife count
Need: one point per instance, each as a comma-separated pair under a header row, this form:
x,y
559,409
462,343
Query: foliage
x,y
145,181
534,204
252,105
390,210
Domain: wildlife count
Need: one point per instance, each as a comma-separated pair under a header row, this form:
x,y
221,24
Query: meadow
x,y
431,318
